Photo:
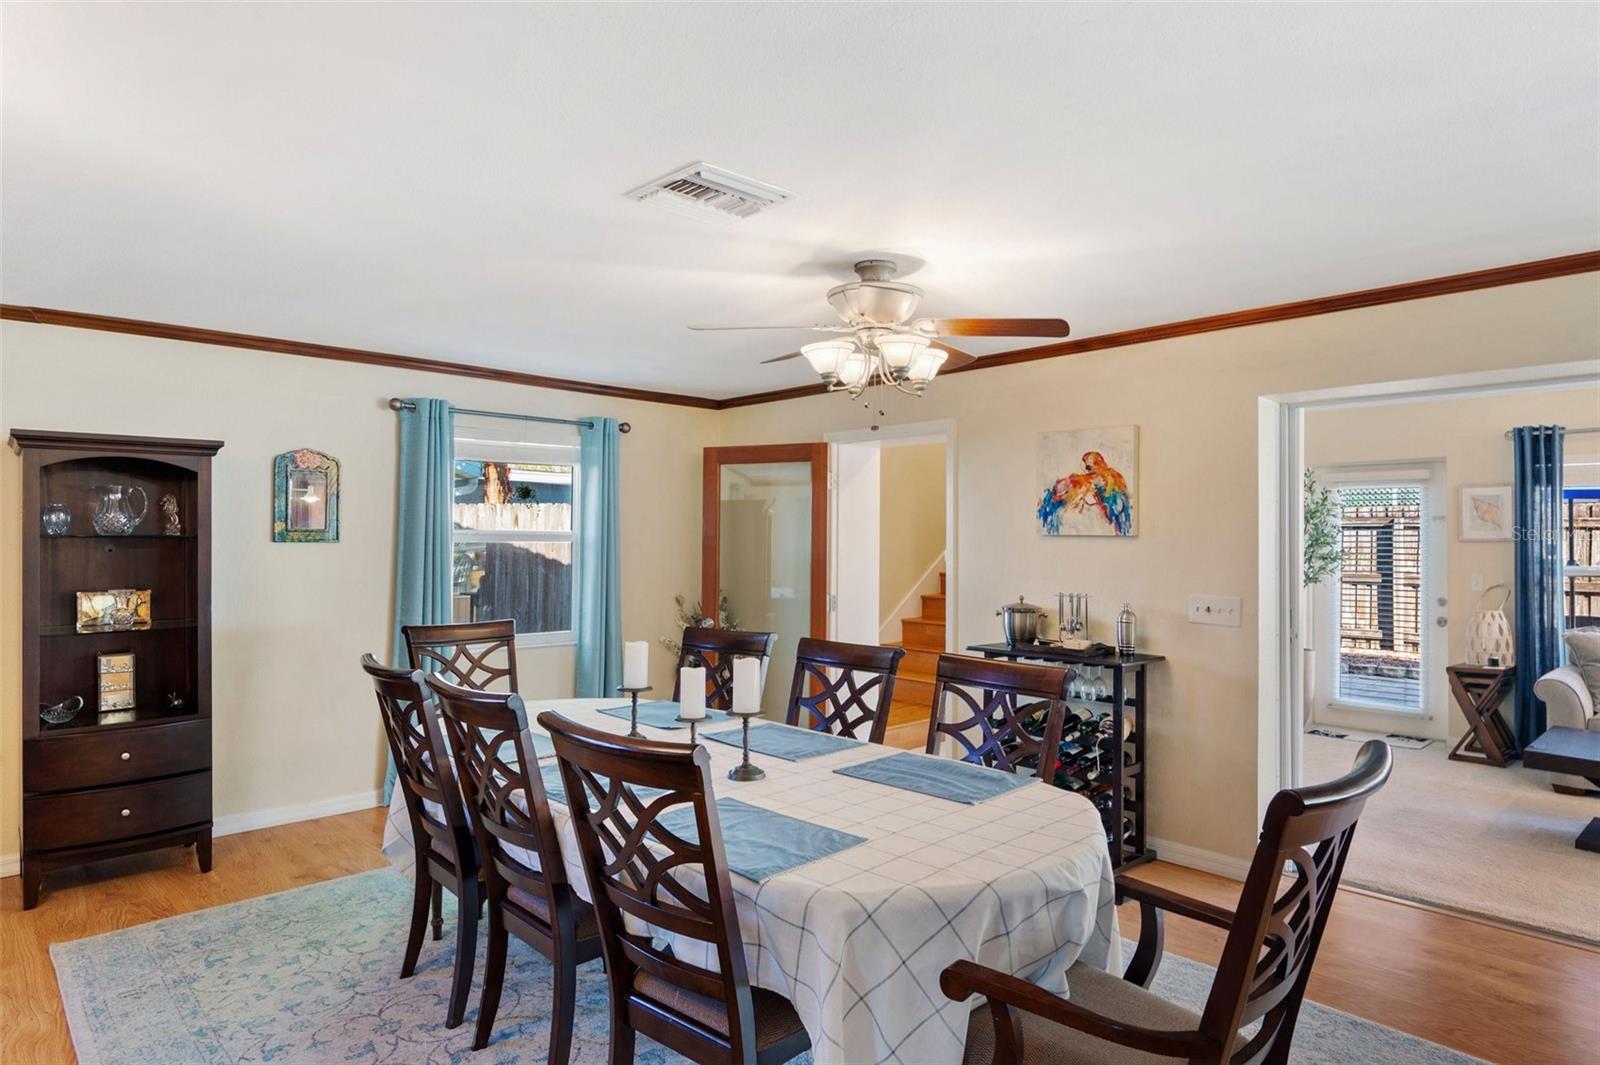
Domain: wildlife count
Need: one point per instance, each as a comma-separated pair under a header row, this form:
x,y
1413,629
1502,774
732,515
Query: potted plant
x,y
1320,560
693,617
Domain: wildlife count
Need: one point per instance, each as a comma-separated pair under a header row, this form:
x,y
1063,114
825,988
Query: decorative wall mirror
x,y
305,497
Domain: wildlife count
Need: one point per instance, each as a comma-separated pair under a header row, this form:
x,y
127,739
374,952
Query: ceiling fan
x,y
883,343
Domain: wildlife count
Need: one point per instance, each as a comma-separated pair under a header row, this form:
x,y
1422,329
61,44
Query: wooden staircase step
x,y
908,733
919,660
933,607
915,689
922,634
941,583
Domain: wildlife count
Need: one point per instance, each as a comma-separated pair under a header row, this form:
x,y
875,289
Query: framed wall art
x,y
1088,482
1487,512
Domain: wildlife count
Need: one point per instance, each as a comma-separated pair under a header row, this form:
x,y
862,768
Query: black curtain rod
x,y
622,427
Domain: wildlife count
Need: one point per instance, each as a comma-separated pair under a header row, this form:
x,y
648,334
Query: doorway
x,y
893,556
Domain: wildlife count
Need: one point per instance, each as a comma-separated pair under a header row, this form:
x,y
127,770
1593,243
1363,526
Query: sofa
x,y
1568,702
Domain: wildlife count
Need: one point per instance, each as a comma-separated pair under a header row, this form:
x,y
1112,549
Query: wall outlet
x,y
1477,582
1214,610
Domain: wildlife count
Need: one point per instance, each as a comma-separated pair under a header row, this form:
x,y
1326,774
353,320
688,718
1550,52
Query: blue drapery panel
x,y
422,571
1539,561
599,562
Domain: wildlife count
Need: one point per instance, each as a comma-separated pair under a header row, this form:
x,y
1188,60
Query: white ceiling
x,y
446,180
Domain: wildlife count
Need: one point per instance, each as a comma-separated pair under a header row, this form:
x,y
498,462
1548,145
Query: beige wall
x,y
910,519
295,721
1466,434
1195,400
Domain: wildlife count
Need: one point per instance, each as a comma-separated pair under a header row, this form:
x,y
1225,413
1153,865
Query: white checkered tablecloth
x,y
856,940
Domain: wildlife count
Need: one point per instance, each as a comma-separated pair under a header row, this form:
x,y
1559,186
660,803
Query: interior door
x,y
1380,621
765,547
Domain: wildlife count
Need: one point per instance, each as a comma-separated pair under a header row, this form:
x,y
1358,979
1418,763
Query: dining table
x,y
1021,881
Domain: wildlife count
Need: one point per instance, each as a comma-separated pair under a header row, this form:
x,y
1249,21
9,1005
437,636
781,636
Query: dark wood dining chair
x,y
1008,715
715,650
843,688
447,855
510,815
477,654
635,865
1266,960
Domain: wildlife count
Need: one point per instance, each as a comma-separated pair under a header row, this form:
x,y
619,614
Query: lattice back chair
x,y
1008,715
715,650
647,826
1266,960
524,876
478,654
446,854
844,688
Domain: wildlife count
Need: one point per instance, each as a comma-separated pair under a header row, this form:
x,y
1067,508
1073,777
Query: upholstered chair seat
x,y
1047,1043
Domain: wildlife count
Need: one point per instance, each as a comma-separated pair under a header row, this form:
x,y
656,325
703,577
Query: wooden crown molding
x,y
1538,270
251,342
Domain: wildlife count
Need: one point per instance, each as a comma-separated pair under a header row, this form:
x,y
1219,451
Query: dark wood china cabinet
x,y
130,769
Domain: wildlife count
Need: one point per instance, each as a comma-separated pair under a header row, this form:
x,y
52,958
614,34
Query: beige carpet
x,y
1496,842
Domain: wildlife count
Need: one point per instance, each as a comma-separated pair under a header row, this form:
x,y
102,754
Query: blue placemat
x,y
542,745
760,843
782,741
657,713
555,789
942,778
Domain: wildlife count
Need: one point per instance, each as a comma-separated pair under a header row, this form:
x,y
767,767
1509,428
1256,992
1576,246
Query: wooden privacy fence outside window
x,y
1380,581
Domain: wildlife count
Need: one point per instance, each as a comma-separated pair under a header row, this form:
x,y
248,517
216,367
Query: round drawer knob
x,y
126,756
126,811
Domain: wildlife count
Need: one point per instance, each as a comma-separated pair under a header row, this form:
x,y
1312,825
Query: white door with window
x,y
1380,634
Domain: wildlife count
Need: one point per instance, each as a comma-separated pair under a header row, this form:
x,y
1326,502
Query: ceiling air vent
x,y
705,191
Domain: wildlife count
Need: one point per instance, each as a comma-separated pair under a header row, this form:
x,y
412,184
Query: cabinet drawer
x,y
79,818
67,763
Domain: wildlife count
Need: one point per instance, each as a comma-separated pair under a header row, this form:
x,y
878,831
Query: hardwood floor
x,y
123,892
1500,994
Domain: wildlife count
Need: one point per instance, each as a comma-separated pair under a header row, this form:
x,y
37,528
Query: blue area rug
x,y
311,976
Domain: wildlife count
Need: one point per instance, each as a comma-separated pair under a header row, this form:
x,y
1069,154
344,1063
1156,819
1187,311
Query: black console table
x,y
1126,819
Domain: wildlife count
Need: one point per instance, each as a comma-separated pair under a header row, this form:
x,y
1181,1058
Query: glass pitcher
x,y
114,515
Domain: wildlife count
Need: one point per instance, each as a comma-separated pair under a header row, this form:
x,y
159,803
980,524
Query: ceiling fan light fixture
x,y
925,366
855,370
826,356
900,350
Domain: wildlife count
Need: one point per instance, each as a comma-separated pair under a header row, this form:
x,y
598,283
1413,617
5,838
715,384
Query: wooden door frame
x,y
711,518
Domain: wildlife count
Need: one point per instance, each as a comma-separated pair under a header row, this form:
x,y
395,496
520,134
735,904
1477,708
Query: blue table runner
x,y
782,741
760,843
657,713
942,778
555,789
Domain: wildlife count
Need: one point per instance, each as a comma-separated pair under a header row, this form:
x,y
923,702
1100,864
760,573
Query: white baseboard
x,y
1203,860
11,864
300,811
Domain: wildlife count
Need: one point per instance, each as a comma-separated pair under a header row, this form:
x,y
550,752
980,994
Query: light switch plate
x,y
1214,610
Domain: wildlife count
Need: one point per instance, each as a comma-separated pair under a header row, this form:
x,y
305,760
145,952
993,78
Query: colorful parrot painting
x,y
1100,489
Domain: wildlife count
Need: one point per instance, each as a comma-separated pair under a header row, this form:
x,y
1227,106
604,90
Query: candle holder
x,y
633,716
693,723
745,771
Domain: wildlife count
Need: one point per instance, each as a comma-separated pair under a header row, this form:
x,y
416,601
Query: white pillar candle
x,y
636,664
746,685
692,692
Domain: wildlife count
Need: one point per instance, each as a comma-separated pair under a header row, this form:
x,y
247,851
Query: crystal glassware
x,y
56,520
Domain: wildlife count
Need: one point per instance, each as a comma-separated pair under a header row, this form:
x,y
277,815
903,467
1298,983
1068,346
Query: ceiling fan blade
x,y
782,358
815,328
955,358
995,327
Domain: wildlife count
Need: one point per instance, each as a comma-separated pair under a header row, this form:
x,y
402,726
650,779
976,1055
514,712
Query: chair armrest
x,y
1007,994
1146,894
1566,697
